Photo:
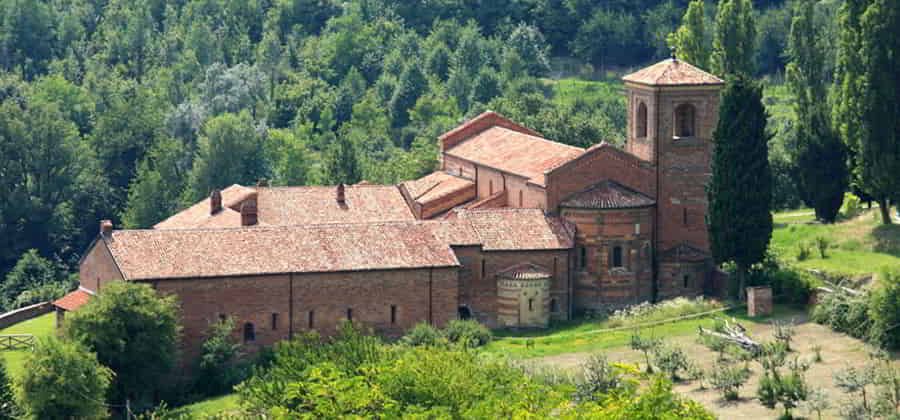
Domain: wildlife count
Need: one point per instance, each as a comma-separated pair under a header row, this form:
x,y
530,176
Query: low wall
x,y
24,314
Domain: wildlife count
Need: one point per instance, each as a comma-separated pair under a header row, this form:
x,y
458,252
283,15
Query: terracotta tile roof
x,y
494,201
671,72
519,229
193,253
73,300
436,185
607,195
286,206
199,215
525,271
514,152
455,232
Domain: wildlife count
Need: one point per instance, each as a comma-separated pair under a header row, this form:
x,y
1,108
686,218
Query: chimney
x,y
248,213
215,202
341,199
106,227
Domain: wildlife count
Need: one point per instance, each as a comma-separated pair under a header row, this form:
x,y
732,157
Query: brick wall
x,y
599,286
370,296
598,164
97,267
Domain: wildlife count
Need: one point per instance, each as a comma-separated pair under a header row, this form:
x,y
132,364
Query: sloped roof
x,y
287,206
514,152
199,215
510,229
607,195
193,253
73,300
672,72
436,185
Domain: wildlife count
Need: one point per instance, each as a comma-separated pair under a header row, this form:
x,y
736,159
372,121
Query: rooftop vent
x,y
341,198
106,227
248,213
215,202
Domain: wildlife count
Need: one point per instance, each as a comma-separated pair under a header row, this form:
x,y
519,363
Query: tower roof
x,y
672,72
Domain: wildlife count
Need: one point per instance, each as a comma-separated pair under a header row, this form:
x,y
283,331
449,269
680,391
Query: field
x,y
42,326
217,405
859,246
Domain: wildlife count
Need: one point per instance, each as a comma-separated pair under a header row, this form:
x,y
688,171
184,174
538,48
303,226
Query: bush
x,y
469,333
218,368
667,309
8,408
729,379
784,333
30,272
56,370
851,207
804,251
600,378
646,346
822,244
789,285
671,360
884,310
844,312
423,334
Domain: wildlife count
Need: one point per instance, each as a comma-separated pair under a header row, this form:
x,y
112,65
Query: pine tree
x,y
734,39
740,192
819,156
689,41
410,86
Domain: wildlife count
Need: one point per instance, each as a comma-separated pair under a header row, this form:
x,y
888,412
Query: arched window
x,y
249,332
616,256
685,126
640,122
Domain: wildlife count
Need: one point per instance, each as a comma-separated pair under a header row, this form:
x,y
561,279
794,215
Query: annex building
x,y
513,230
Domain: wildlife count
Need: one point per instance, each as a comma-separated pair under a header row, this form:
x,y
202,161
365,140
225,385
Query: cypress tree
x,y
879,142
819,156
341,164
740,192
734,39
690,38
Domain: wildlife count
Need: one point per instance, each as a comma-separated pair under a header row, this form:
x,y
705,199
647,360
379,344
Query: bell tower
x,y
673,110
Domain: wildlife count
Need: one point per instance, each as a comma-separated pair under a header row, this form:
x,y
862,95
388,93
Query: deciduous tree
x,y
734,39
689,41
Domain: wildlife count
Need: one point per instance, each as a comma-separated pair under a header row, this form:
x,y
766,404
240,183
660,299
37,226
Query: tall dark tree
x,y
740,192
819,155
341,163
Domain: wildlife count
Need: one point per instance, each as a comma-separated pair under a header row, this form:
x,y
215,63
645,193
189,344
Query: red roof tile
x,y
671,72
73,300
514,152
192,253
525,271
607,195
199,215
286,206
436,185
518,229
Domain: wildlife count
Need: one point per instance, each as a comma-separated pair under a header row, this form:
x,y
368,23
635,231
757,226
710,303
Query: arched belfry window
x,y
640,121
685,121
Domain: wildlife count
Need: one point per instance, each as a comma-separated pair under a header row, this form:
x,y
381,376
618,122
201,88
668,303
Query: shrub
x,y
784,333
851,207
884,310
817,401
8,408
667,309
423,334
789,285
600,378
671,360
56,370
844,312
804,251
822,244
645,346
218,368
729,379
30,272
468,332
817,349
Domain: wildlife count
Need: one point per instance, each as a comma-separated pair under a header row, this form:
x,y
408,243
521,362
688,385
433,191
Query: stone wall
x,y
600,163
24,314
97,267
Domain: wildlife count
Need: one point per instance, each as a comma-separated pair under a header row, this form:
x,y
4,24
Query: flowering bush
x,y
674,308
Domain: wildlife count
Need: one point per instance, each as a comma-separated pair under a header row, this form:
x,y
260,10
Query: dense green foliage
x,y
734,39
135,333
871,315
740,192
33,279
9,409
689,41
64,380
219,367
357,375
819,155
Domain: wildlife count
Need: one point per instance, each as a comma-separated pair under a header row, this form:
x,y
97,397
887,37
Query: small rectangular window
x,y
582,257
686,279
684,215
617,256
483,268
350,314
311,319
521,199
274,321
393,314
531,304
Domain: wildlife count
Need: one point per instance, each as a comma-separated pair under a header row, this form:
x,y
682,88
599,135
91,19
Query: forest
x,y
131,110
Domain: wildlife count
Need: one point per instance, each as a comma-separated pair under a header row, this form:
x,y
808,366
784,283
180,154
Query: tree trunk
x,y
885,208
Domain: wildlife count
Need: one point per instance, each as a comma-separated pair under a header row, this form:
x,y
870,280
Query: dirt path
x,y
838,351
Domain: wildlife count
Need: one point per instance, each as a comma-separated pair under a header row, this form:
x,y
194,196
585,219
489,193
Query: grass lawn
x,y
42,326
217,405
858,246
570,90
583,336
